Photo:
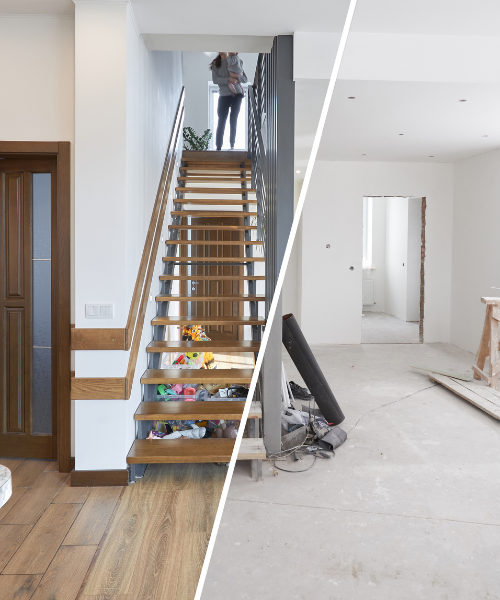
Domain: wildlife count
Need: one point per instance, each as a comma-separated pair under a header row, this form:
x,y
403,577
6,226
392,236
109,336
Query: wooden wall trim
x,y
97,339
98,388
30,147
99,478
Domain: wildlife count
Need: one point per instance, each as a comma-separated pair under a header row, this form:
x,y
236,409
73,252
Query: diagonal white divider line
x,y
277,291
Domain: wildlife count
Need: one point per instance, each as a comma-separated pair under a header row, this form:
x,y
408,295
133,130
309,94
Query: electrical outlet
x,y
99,311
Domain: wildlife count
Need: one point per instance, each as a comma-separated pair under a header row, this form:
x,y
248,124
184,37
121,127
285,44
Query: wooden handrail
x,y
129,338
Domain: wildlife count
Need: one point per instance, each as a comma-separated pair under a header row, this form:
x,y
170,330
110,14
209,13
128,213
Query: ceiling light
x,y
431,156
462,100
485,136
351,97
363,155
401,134
297,171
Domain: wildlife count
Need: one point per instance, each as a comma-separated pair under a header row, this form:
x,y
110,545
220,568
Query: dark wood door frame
x,y
61,299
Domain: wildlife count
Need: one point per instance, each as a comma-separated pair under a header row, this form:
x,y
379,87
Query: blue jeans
x,y
226,103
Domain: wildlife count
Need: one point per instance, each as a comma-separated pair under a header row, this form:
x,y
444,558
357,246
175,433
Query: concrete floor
x,y
408,509
381,328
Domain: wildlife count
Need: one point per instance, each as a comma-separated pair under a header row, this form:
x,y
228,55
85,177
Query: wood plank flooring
x,y
145,541
36,560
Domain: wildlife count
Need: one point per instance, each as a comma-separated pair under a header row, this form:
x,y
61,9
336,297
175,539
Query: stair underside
x,y
212,277
159,376
213,243
213,259
208,346
204,320
210,298
190,411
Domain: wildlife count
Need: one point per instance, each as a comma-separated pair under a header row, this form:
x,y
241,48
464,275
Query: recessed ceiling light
x,y
297,171
431,156
351,97
462,100
401,134
485,136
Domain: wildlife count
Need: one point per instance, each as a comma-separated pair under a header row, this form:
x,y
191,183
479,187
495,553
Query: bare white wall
x,y
413,258
126,100
331,292
396,253
377,272
476,245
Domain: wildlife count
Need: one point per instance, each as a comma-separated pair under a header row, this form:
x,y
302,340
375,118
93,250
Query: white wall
x,y
377,272
197,76
37,101
331,292
413,259
396,252
126,100
476,245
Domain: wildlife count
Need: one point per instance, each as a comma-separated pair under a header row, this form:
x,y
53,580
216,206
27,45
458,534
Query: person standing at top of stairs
x,y
228,101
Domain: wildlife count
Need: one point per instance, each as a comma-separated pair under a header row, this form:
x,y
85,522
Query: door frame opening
x,y
60,286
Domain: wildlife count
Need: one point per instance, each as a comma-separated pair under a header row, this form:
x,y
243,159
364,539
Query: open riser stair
x,y
213,261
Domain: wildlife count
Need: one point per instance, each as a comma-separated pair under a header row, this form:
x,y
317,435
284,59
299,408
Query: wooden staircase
x,y
211,251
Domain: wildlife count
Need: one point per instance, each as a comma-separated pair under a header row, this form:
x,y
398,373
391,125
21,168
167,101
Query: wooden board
x,y
89,526
43,541
213,243
27,472
214,227
252,449
476,393
18,587
212,277
214,190
214,179
214,259
446,373
215,201
213,346
97,339
11,536
210,298
212,213
197,411
157,376
255,410
230,320
181,451
98,388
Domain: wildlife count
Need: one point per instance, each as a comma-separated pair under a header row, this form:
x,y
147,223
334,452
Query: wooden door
x,y
27,411
218,287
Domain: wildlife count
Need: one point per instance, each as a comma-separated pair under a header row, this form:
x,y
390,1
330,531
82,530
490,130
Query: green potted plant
x,y
193,141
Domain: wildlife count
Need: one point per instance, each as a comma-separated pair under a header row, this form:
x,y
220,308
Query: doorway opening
x,y
393,282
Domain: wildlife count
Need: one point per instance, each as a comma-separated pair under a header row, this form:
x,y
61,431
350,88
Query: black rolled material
x,y
299,351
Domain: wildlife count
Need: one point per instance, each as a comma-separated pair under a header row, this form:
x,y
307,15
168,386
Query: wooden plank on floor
x,y
113,569
71,495
193,549
27,472
89,526
446,373
11,536
52,466
65,574
489,394
474,398
38,549
18,587
17,494
31,506
11,463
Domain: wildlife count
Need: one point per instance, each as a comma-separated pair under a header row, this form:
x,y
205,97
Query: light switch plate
x,y
99,311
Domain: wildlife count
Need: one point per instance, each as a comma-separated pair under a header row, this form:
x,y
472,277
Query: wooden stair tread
x,y
190,411
181,451
214,179
158,376
214,242
233,162
210,297
214,190
216,170
252,449
217,346
204,320
214,227
212,213
213,259
212,277
214,202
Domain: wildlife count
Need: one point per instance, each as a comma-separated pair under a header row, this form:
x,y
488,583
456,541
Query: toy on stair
x,y
196,333
195,433
225,429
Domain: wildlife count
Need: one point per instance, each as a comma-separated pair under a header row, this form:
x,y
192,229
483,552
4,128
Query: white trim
x,y
35,16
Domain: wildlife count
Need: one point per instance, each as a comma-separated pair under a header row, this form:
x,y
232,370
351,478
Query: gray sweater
x,y
221,76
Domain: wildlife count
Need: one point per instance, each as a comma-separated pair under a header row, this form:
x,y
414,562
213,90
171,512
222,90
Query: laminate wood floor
x,y
144,541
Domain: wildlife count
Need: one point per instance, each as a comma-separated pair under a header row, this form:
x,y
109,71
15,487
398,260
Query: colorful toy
x,y
195,333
